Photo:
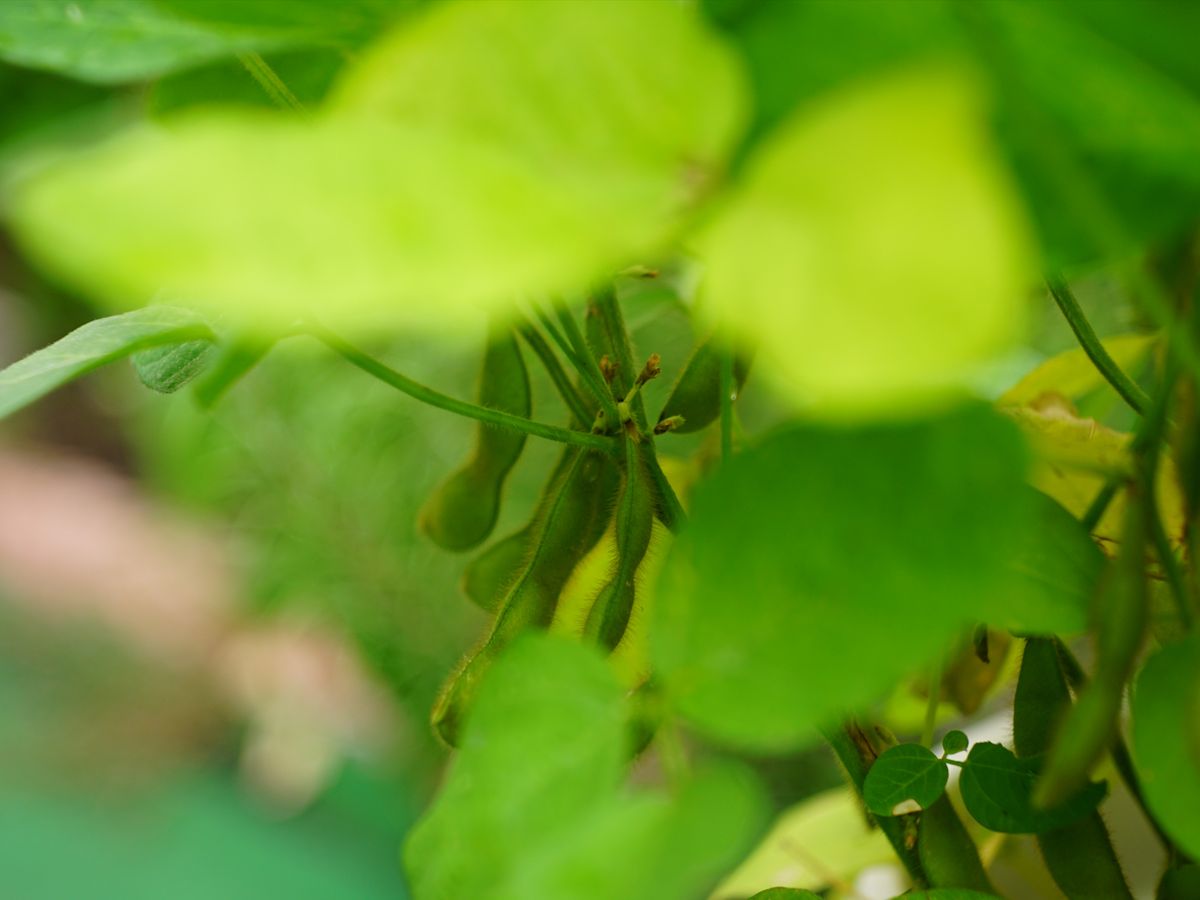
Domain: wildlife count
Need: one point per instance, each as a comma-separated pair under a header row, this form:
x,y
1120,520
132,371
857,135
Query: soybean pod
x,y
609,616
947,853
487,575
696,395
1120,615
572,517
462,510
1079,856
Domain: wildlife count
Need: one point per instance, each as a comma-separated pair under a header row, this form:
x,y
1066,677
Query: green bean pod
x,y
488,575
1079,856
696,395
572,517
609,616
462,510
947,853
1121,615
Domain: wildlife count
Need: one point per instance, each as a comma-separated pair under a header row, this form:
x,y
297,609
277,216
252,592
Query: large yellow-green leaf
x,y
1072,375
875,248
544,161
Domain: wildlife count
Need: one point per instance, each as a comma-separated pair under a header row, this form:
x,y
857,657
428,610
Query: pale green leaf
x,y
954,742
904,779
1166,706
460,172
1072,375
870,226
822,557
821,837
93,345
534,805
997,790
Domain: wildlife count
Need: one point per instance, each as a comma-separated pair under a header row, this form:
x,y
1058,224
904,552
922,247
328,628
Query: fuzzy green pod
x,y
696,396
1079,856
486,577
609,616
947,853
462,510
1121,617
571,518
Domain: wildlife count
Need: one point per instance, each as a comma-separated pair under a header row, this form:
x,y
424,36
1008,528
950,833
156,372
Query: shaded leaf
x,y
93,345
1166,697
904,779
954,742
769,586
167,369
997,788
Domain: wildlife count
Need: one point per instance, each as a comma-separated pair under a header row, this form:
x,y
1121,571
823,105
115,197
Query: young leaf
x,y
781,580
849,321
905,779
954,742
997,788
93,345
535,793
350,217
1166,697
167,369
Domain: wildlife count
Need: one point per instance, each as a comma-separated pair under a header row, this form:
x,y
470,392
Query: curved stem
x,y
427,395
1137,399
557,374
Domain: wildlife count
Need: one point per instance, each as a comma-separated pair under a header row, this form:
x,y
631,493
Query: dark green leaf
x,y
822,557
1166,706
167,369
954,742
905,779
306,74
93,345
534,805
1059,564
949,894
997,790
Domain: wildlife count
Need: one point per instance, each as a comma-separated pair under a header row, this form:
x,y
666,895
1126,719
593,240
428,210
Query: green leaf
x,y
954,742
997,788
93,345
1166,706
905,779
1182,883
1073,375
114,41
1059,565
949,894
306,74
167,369
536,795
866,228
785,893
444,186
781,579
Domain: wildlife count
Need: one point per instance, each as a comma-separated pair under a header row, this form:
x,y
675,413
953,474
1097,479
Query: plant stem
x,y
726,387
554,369
856,760
669,508
1137,399
427,395
268,79
589,368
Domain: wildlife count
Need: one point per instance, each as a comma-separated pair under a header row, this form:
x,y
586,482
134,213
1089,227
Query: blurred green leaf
x,y
784,893
93,345
167,369
1073,375
402,210
780,579
307,74
949,894
534,807
904,779
1166,706
997,790
867,228
1059,564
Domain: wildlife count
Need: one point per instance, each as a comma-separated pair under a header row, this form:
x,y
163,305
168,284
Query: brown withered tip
x,y
652,369
608,368
670,423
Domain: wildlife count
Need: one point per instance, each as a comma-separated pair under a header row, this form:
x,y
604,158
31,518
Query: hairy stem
x,y
427,395
1137,399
